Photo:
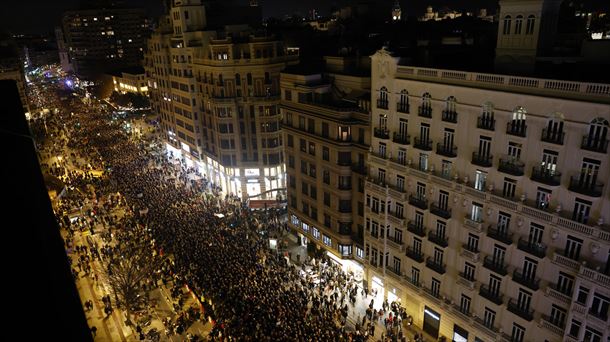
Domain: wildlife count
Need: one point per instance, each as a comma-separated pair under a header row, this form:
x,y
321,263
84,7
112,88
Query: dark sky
x,y
40,16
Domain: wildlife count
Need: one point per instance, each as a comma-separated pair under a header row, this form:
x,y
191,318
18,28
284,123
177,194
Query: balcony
x,y
403,139
533,248
445,150
423,144
586,185
443,212
492,296
484,160
415,254
381,133
435,266
417,229
402,107
531,282
394,242
425,111
560,259
467,281
440,240
520,310
383,104
590,143
511,166
470,253
393,272
501,235
450,116
495,265
475,225
543,175
551,325
553,291
486,123
516,128
418,201
552,137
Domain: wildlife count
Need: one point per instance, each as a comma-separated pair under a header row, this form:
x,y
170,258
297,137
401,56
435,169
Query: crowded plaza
x,y
211,272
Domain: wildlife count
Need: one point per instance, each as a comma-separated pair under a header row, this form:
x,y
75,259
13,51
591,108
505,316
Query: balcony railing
x,y
381,133
416,229
418,201
466,280
487,123
529,281
520,310
553,325
446,150
440,240
533,248
516,128
543,175
402,107
552,137
511,166
425,111
470,252
584,184
403,139
415,254
450,116
423,144
383,104
484,160
493,296
443,212
501,235
495,265
435,265
594,144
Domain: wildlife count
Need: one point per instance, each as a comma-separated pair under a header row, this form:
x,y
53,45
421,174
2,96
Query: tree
x,y
126,271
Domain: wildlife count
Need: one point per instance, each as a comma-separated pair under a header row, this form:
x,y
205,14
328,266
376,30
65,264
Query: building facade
x,y
131,80
94,41
217,93
326,139
487,205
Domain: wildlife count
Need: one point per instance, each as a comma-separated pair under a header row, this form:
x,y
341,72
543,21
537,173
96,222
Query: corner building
x,y
217,92
326,134
487,203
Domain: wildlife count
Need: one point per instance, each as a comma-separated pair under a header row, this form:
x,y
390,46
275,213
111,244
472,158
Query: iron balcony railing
x,y
553,137
381,133
511,166
493,296
543,175
435,265
403,139
446,150
520,310
402,107
584,184
516,128
501,235
450,116
415,254
484,160
425,111
423,144
495,265
530,281
534,248
486,122
591,143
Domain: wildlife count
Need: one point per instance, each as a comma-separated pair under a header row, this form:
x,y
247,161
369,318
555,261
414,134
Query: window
x,y
583,293
415,275
469,270
582,208
506,26
473,243
327,199
573,246
599,307
359,252
510,185
325,129
558,316
435,288
465,304
476,212
326,176
303,145
325,153
574,328
543,198
518,24
489,318
291,162
327,240
592,335
316,233
312,148
518,333
531,21
565,284
290,140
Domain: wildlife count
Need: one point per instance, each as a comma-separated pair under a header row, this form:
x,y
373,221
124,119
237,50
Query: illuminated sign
x,y
252,172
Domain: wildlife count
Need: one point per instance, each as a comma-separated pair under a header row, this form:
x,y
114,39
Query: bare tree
x,y
127,271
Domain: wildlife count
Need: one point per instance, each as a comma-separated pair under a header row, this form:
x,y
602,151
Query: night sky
x,y
40,16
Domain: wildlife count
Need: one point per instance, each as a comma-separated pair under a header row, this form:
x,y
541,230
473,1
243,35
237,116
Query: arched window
x,y
486,120
553,132
451,101
425,109
597,139
518,24
382,102
517,125
506,28
403,105
531,21
450,114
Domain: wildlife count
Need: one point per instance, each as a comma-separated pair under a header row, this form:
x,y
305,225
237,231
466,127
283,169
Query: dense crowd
x,y
249,291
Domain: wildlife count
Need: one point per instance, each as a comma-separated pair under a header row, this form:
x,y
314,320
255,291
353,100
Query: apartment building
x,y
487,203
217,92
326,116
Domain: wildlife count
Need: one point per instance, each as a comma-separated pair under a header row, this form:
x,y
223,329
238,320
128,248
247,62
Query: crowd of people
x,y
249,291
